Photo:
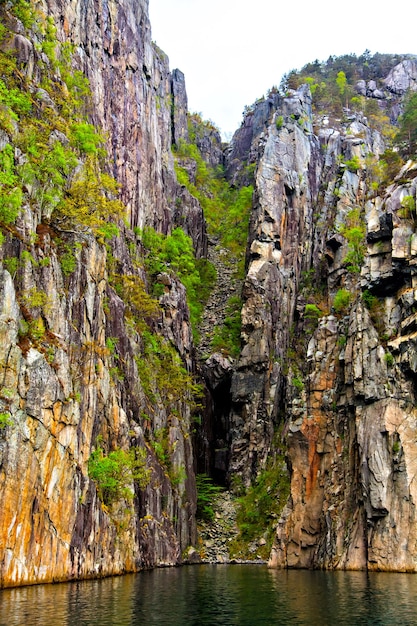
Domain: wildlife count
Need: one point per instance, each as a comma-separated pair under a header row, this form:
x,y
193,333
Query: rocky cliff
x,y
335,378
84,350
102,424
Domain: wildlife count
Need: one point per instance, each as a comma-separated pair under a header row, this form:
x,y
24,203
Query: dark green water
x,y
218,595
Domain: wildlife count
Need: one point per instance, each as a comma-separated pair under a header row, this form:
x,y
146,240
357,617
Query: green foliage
x,y
332,82
342,301
354,231
369,300
35,298
111,343
175,253
406,137
115,472
207,492
85,138
68,262
279,121
49,126
143,308
227,336
342,85
5,420
389,359
260,507
408,208
353,164
36,330
11,264
163,376
90,201
23,11
19,102
226,209
312,312
160,445
298,383
10,193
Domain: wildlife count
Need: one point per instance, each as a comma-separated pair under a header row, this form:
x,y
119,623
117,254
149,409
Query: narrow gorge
x,y
175,308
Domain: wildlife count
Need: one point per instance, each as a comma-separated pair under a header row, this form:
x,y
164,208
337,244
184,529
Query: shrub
x,y
206,497
369,300
91,200
227,336
85,138
279,121
389,359
298,383
342,300
5,420
68,262
175,253
354,231
408,208
353,164
114,473
261,506
312,311
11,195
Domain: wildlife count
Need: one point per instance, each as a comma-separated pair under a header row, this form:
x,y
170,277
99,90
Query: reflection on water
x,y
218,595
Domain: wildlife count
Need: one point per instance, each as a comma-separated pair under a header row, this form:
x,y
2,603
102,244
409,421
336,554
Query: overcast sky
x,y
233,51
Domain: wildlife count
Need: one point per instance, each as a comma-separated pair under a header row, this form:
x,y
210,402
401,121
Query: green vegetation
x,y
389,359
115,473
396,447
408,209
353,164
163,376
49,127
354,231
175,254
5,420
406,137
259,509
342,301
226,209
207,492
312,314
226,337
332,81
369,300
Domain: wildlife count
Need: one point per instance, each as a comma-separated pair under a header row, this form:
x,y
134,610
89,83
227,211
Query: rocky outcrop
x,y
91,364
74,331
343,393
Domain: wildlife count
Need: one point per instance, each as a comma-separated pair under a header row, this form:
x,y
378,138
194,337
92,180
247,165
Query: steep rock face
x,y
72,352
344,393
137,102
281,235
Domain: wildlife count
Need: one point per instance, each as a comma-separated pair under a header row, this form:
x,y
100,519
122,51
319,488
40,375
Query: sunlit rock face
x,y
134,95
342,391
71,392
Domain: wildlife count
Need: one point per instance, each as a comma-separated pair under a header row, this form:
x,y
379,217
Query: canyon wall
x,y
72,346
91,365
335,383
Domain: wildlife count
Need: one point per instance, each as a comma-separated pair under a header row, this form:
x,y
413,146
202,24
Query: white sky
x,y
233,51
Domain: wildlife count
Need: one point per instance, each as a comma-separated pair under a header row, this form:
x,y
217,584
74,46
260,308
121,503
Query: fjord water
x,y
224,595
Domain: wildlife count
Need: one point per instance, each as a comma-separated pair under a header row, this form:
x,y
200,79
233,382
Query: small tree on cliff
x,y
406,138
